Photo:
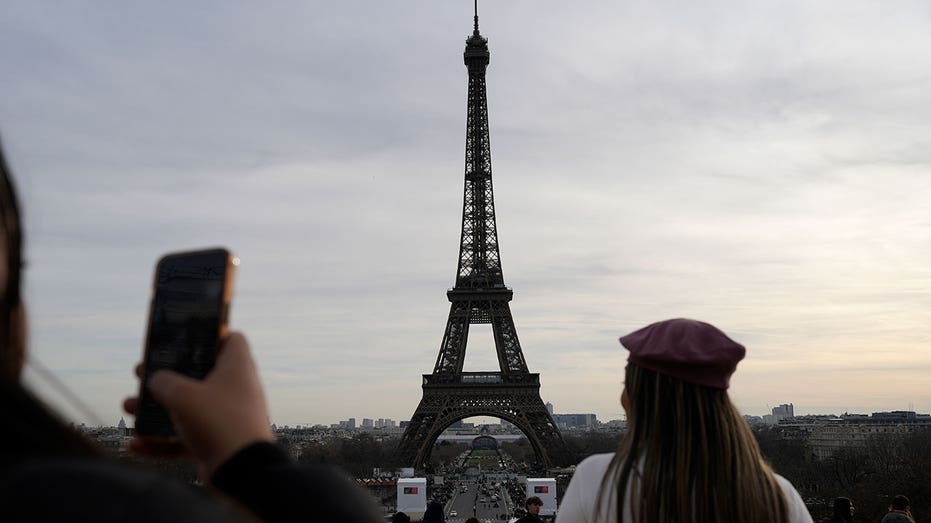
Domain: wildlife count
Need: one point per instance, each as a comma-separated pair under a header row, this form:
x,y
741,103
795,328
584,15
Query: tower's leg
x,y
452,349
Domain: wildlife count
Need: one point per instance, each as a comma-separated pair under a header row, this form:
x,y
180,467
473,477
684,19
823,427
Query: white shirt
x,y
578,504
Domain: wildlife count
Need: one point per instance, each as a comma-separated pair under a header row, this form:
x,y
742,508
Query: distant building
x,y
569,421
897,415
386,423
549,408
826,434
367,423
484,443
615,425
123,430
784,411
351,423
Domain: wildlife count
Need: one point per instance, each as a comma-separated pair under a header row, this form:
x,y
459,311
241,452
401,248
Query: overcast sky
x,y
763,166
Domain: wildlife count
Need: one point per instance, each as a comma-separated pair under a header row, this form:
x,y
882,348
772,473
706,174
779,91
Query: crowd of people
x,y
687,455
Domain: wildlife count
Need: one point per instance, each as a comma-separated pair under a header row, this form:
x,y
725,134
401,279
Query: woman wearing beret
x,y
688,455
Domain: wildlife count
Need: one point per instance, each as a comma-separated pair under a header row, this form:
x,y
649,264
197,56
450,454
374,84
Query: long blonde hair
x,y
688,455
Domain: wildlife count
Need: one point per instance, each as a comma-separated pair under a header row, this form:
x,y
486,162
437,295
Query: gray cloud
x,y
760,166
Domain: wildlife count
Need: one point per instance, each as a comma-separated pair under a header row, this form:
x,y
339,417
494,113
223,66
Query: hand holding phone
x,y
188,319
215,417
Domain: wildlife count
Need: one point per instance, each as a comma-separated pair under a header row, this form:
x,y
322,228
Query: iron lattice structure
x,y
479,297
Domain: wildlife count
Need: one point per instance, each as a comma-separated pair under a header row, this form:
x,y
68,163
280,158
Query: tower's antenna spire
x,y
476,17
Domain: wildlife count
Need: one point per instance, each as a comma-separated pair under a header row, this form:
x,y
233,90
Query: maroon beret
x,y
689,350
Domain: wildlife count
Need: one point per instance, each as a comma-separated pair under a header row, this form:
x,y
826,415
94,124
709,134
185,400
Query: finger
x,y
139,370
234,355
130,404
175,392
234,344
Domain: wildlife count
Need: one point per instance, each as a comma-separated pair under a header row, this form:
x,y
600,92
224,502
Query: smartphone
x,y
188,319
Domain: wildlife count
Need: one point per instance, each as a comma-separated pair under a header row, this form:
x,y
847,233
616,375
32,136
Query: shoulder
x,y
798,512
892,517
264,479
589,473
75,489
580,499
593,466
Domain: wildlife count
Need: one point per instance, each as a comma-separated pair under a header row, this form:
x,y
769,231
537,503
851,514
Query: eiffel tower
x,y
479,297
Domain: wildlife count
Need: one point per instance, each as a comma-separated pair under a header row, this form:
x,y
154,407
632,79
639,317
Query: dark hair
x,y
533,500
842,511
900,502
11,336
30,428
400,517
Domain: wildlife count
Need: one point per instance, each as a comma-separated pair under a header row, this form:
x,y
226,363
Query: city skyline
x,y
477,422
763,168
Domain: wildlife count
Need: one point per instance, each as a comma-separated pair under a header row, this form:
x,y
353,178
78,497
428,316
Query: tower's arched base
x,y
513,398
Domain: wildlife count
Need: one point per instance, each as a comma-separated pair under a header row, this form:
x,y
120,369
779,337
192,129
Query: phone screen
x,y
187,318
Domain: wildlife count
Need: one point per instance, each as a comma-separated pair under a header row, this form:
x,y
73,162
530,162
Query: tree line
x,y
888,464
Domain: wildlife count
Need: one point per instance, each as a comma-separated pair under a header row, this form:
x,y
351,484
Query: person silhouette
x,y
50,472
899,511
842,511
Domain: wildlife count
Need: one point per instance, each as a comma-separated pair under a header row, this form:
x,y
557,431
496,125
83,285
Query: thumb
x,y
174,391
